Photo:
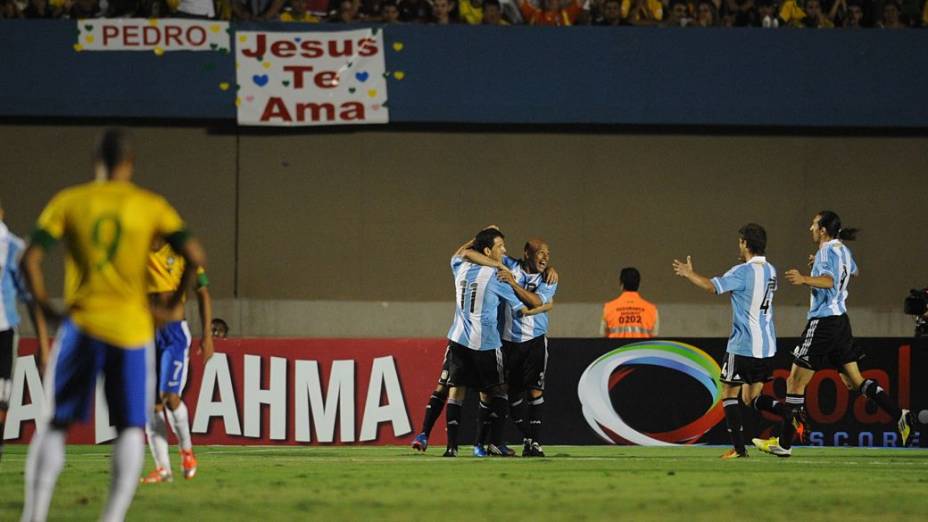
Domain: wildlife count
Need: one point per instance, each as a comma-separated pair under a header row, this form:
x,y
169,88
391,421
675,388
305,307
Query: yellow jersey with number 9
x,y
108,228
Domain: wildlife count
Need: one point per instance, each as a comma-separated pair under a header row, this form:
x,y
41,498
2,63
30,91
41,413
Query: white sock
x,y
128,455
157,431
180,423
44,463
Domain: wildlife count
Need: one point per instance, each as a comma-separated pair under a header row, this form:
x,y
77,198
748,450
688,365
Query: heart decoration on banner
x,y
260,79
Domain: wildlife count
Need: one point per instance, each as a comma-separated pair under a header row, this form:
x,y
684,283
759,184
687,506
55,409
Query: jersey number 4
x,y
768,296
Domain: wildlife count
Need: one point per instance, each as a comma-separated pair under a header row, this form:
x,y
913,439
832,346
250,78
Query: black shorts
x,y
478,369
526,364
7,356
741,369
443,376
827,342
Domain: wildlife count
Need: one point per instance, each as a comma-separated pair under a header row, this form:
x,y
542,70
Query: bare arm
x,y
686,270
205,305
796,278
539,309
531,299
479,259
40,308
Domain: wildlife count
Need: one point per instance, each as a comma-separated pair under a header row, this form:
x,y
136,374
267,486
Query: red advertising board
x,y
280,391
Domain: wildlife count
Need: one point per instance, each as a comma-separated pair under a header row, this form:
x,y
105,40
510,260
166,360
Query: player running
x,y
172,344
827,341
107,227
753,341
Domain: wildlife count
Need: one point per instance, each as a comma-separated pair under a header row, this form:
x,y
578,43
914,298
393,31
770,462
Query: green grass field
x,y
573,483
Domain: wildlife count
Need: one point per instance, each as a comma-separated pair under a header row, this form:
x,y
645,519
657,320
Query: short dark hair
x,y
114,148
630,278
485,239
755,236
832,225
219,324
487,3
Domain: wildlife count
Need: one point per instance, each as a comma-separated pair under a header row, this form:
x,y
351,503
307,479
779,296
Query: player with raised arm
x,y
475,358
525,345
107,227
753,341
827,341
172,344
439,396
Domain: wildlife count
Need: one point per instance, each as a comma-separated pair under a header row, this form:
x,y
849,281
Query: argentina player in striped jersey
x,y
525,344
827,341
474,356
534,281
437,400
753,341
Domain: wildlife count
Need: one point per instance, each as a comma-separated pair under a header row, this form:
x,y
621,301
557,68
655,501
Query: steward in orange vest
x,y
629,316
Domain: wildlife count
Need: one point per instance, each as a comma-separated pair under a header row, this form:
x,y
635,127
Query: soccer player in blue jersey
x,y
827,341
753,341
475,358
525,345
440,394
12,288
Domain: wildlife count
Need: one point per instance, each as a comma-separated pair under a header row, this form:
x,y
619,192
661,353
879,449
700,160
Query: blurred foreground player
x,y
107,227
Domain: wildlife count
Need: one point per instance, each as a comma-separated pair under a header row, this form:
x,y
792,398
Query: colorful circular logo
x,y
604,373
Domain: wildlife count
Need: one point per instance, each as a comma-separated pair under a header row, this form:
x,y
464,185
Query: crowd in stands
x,y
886,14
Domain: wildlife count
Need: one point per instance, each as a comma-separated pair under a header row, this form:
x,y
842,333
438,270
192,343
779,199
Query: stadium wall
x,y
640,76
347,233
373,391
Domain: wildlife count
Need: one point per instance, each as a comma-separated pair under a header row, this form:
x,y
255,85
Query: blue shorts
x,y
172,348
76,362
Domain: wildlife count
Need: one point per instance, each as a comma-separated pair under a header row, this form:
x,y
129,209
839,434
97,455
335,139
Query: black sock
x,y
517,413
794,405
535,416
873,391
453,422
432,411
733,419
498,414
483,423
768,404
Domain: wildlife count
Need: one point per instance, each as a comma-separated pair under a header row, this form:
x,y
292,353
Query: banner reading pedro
x,y
311,78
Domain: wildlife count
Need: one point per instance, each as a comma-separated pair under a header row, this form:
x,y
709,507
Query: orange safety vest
x,y
629,317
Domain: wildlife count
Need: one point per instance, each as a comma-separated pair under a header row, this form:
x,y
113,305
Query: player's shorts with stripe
x,y
526,364
77,360
443,376
741,369
827,342
479,369
172,352
7,359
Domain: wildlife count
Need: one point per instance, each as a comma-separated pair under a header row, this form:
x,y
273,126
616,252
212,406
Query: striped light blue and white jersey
x,y
479,294
834,259
11,248
518,328
752,285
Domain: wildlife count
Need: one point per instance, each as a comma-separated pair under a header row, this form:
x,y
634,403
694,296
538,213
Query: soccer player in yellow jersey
x,y
172,342
107,227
